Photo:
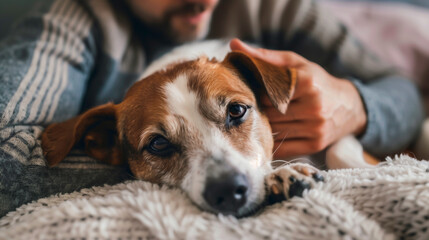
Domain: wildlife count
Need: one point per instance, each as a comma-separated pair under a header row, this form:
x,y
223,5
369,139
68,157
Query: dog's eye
x,y
236,111
160,146
237,114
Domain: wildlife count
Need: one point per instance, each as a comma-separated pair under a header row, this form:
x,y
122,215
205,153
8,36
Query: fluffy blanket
x,y
386,202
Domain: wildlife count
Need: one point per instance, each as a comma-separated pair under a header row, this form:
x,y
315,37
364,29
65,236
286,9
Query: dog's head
x,y
197,125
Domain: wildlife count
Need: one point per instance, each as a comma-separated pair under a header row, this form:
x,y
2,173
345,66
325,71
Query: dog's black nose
x,y
227,192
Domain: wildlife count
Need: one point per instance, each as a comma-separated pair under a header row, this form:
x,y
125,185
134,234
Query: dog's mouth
x,y
248,210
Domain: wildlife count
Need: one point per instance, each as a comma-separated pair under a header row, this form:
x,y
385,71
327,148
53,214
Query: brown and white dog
x,y
196,125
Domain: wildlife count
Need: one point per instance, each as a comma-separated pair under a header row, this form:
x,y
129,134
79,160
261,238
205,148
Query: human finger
x,y
295,129
294,147
297,110
279,58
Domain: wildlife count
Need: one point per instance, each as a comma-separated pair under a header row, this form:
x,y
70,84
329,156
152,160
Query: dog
x,y
195,123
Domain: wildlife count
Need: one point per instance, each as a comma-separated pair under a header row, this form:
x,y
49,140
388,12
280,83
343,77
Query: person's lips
x,y
197,18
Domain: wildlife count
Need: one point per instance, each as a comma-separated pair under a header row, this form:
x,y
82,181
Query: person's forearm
x,y
394,114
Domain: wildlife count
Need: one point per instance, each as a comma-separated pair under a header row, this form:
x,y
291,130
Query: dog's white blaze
x,y
255,140
183,102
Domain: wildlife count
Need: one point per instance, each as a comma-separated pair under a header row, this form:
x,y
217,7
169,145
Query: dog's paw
x,y
291,180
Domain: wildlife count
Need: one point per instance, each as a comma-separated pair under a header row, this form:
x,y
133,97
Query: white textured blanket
x,y
386,202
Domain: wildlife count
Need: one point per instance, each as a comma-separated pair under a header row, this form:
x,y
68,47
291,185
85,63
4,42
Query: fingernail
x,y
247,46
241,44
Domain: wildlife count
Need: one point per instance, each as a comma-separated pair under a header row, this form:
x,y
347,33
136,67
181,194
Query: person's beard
x,y
166,29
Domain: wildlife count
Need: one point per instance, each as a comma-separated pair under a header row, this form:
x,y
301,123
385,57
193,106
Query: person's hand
x,y
322,110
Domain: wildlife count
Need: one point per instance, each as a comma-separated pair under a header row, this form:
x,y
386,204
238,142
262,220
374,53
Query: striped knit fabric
x,y
70,55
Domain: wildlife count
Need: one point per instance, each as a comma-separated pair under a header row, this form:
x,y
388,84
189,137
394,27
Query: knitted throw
x,y
387,202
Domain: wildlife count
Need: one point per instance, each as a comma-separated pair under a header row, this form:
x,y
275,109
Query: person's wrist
x,y
358,108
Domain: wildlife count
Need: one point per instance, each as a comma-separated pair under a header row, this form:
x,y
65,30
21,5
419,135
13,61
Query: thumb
x,y
279,58
237,45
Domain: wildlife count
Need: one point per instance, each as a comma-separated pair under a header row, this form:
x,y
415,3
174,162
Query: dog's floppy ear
x,y
95,130
278,83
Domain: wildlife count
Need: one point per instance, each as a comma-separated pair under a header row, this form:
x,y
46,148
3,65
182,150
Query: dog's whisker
x,y
275,161
281,165
322,166
287,162
274,152
298,160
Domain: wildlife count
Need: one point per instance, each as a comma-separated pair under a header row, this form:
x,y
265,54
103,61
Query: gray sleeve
x,y
394,114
